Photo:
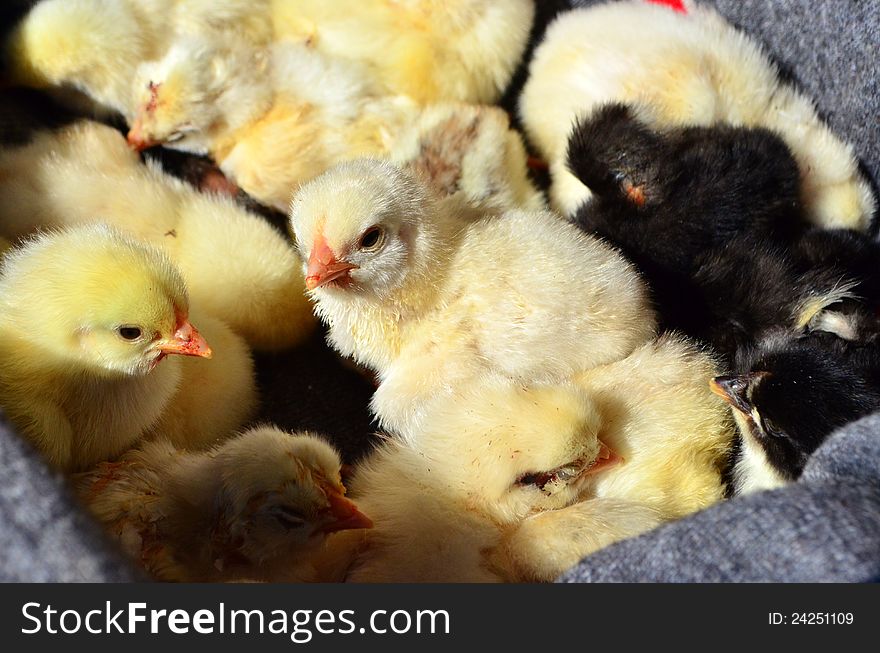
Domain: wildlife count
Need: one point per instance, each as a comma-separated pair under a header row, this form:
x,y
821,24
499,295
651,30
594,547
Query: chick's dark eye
x,y
372,238
771,427
129,332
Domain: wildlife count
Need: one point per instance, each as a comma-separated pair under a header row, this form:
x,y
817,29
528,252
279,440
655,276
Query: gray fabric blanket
x,y
826,527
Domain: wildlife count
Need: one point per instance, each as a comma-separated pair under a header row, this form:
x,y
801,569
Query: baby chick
x,y
89,315
237,267
272,132
258,507
517,483
789,394
430,293
96,45
689,68
93,46
711,216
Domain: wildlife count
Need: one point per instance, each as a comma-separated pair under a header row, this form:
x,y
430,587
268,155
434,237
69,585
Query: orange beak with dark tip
x,y
346,515
325,267
187,341
732,389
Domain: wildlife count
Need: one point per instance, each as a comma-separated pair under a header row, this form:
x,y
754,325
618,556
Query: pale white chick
x,y
430,293
683,68
93,328
510,483
236,265
258,507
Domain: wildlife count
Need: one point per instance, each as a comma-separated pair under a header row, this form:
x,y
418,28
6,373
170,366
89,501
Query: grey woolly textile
x,y
44,535
824,528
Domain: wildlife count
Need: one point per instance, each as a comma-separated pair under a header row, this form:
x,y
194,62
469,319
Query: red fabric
x,y
677,5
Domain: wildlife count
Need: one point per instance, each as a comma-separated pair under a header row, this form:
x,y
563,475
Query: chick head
x,y
282,492
517,450
795,392
174,98
361,227
95,299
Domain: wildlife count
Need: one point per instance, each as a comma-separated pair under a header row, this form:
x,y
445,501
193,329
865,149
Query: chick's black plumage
x,y
713,219
794,392
667,197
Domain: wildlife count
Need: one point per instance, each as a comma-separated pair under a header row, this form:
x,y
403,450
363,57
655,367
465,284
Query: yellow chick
x,y
510,483
430,293
271,120
96,46
274,123
689,68
429,50
88,318
257,507
93,46
237,267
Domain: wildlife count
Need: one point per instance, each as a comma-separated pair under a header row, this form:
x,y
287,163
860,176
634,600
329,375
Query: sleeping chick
x,y
303,112
256,508
237,267
676,192
788,395
89,316
688,68
430,293
711,216
510,483
92,46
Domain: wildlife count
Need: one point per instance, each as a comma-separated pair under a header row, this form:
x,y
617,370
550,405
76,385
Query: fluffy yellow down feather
x,y
237,267
498,486
431,293
257,507
88,317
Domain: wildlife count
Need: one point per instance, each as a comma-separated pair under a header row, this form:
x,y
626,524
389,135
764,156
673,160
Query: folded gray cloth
x,y
825,527
44,535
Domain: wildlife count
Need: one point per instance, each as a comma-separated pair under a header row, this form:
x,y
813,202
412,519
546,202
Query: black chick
x,y
667,197
790,394
712,217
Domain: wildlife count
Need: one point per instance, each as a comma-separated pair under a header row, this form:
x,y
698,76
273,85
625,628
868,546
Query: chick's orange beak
x,y
346,515
136,139
606,458
187,341
324,267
